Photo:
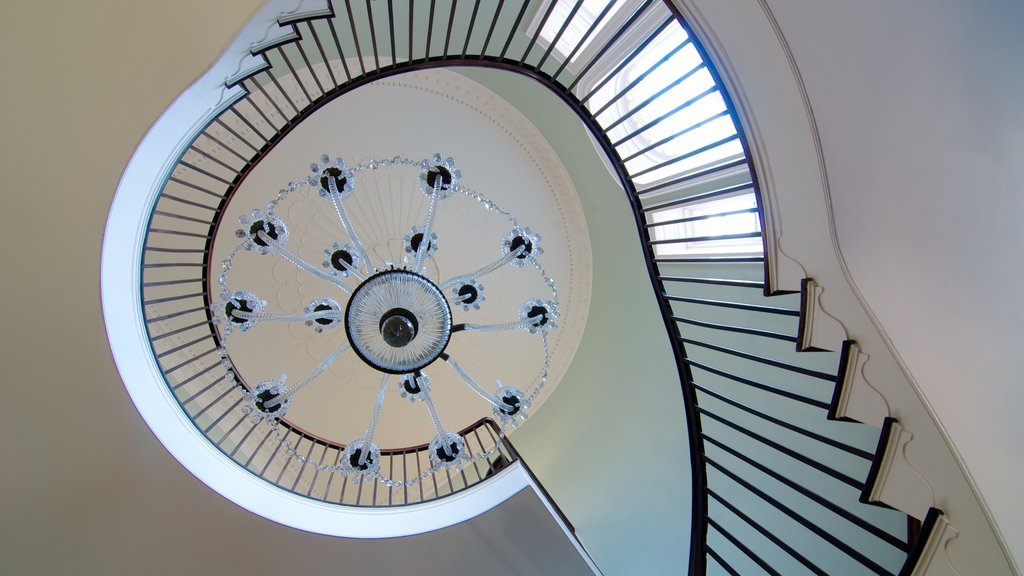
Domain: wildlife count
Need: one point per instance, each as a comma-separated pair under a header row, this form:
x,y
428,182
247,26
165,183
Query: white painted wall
x,y
919,108
885,136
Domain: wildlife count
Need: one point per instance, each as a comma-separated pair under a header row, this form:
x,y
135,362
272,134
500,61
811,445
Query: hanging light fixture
x,y
394,317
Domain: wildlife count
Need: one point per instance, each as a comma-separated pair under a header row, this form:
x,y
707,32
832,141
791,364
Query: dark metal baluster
x,y
540,27
788,426
211,157
204,389
373,35
196,187
514,29
309,67
171,299
579,46
263,91
224,394
252,103
332,474
472,26
626,62
690,154
634,109
229,149
702,197
852,482
316,473
391,31
221,417
257,450
743,548
355,36
180,330
188,202
762,360
168,371
323,54
721,561
737,305
611,42
703,217
817,498
234,133
738,329
287,98
697,239
448,34
693,176
494,22
295,75
175,315
758,385
769,535
803,521
430,30
244,437
303,466
337,44
646,73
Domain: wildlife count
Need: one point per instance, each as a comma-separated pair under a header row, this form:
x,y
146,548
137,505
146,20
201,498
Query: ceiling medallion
x,y
394,318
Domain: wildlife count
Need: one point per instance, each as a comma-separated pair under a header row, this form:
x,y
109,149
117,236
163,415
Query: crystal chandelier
x,y
394,317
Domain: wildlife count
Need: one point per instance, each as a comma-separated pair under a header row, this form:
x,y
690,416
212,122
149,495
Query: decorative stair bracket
x,y
929,555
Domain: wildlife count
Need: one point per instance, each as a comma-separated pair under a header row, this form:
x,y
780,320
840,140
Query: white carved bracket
x,y
892,479
854,398
929,556
818,330
278,28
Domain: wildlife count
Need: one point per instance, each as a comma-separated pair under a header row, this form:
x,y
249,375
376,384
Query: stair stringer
x,y
920,469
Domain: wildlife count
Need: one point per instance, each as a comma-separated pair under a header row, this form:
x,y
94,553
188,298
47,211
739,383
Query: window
x,y
584,18
665,113
733,216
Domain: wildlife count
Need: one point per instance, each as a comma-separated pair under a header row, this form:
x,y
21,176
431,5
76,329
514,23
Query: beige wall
x,y
82,476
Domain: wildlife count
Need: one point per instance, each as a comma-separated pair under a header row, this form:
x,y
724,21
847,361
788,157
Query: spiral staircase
x,y
784,481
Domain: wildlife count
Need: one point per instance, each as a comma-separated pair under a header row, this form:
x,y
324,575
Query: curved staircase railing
x,y
776,484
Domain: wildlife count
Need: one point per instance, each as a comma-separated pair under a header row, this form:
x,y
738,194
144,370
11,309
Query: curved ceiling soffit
x,y
122,250
792,159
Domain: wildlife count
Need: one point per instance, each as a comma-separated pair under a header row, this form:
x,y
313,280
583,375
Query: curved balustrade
x,y
776,484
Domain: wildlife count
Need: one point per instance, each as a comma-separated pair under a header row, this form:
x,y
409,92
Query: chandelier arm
x,y
471,383
376,417
323,366
453,281
346,223
299,263
264,317
434,416
504,326
421,252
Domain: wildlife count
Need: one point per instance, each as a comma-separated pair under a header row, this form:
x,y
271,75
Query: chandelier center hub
x,y
398,321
